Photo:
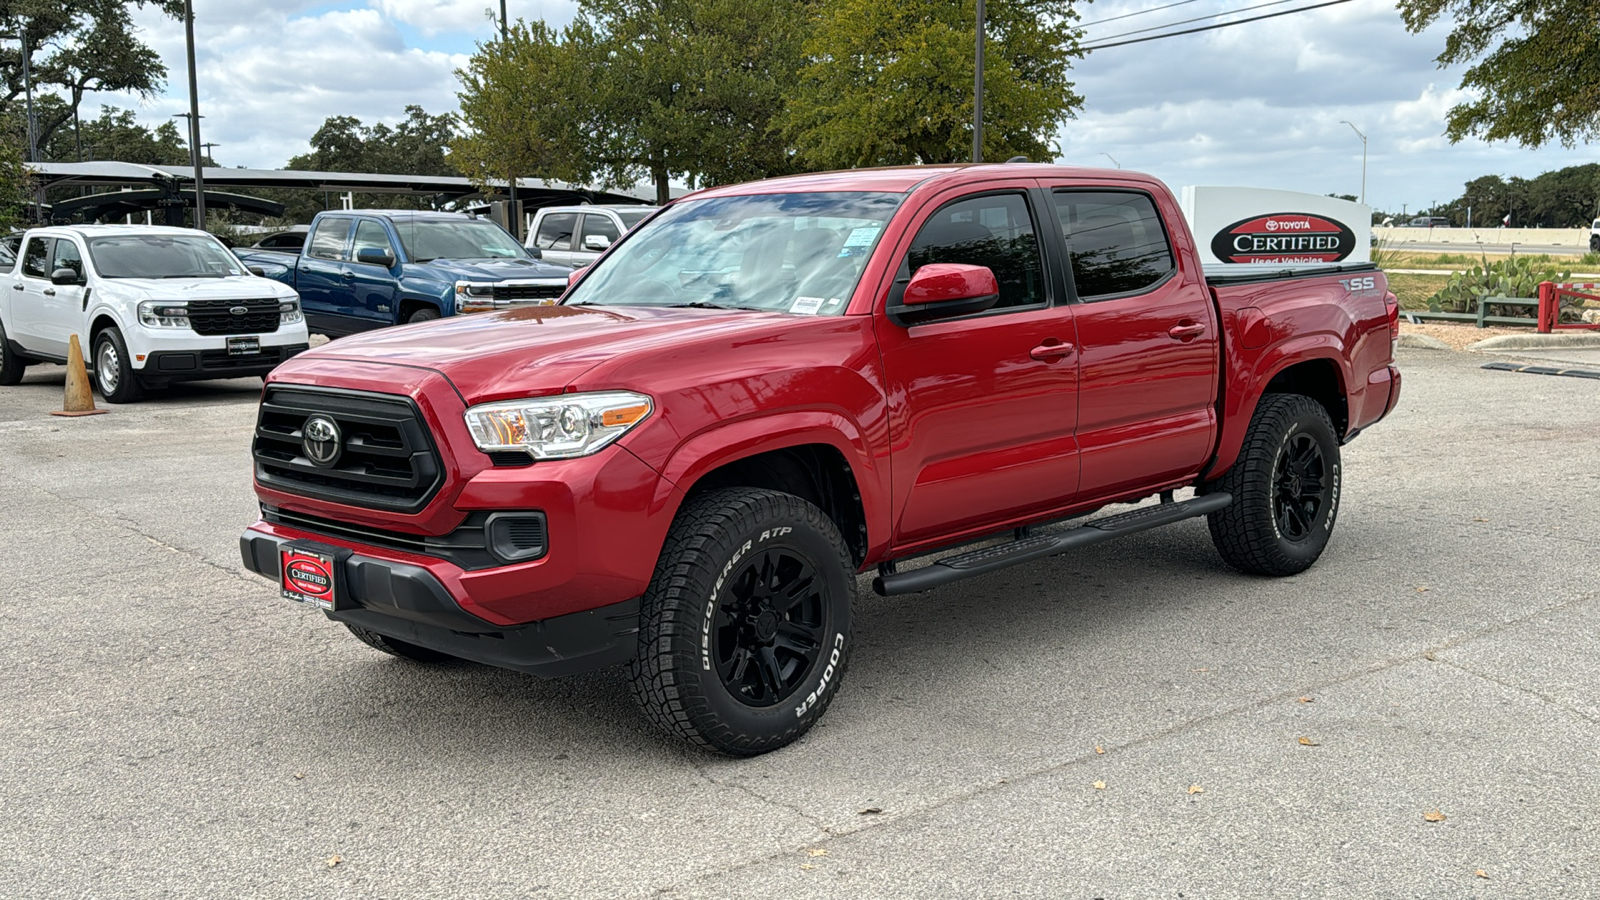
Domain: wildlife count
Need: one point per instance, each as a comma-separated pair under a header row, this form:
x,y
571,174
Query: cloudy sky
x,y
1260,104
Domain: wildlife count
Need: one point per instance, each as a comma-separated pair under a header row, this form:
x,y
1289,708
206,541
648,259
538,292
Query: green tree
x,y
1536,76
890,81
15,190
76,47
418,145
117,135
637,90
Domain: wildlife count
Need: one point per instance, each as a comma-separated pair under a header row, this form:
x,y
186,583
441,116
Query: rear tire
x,y
1594,243
1285,488
113,370
12,366
399,648
745,629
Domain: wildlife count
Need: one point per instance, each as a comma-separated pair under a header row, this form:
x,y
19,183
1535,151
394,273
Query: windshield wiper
x,y
194,275
705,304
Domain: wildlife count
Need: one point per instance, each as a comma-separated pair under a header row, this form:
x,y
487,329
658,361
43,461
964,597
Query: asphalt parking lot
x,y
1132,721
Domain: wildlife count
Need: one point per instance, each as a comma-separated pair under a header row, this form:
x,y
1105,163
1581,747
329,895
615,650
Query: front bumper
x,y
145,342
165,366
407,602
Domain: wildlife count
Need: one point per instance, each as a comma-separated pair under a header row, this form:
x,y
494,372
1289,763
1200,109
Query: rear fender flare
x,y
1240,403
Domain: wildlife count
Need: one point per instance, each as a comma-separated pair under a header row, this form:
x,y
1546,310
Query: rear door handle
x,y
1050,352
1186,332
347,275
16,287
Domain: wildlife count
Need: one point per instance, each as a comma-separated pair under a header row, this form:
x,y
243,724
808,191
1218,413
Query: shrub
x,y
1514,277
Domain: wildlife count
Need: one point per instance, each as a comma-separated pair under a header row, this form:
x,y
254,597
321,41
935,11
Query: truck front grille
x,y
386,459
216,317
516,292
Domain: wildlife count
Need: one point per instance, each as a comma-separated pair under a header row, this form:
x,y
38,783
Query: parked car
x,y
1594,236
155,305
284,241
364,269
577,235
769,388
1429,222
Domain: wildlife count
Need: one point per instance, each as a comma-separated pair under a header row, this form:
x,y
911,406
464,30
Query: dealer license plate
x,y
309,577
244,346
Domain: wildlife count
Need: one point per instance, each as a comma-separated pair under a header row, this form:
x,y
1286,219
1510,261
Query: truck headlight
x,y
472,296
559,427
159,314
289,312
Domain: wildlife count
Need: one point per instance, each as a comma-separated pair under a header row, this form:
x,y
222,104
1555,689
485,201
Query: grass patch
x,y
1413,291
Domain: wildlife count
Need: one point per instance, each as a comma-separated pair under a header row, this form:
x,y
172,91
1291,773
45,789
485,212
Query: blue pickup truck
x,y
363,269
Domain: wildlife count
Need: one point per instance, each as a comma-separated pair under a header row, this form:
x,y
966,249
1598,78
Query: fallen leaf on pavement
x,y
1421,589
299,775
1196,789
1099,749
1429,656
1308,742
1479,519
334,860
807,866
1307,699
1433,815
870,811
1481,873
817,852
1099,785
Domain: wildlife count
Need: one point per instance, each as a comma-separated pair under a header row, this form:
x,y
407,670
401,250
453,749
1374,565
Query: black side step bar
x,y
1000,556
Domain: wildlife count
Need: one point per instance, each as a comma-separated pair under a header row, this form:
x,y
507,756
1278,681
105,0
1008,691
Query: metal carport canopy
x,y
532,191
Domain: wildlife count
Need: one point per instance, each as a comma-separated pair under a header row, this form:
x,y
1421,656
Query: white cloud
x,y
434,16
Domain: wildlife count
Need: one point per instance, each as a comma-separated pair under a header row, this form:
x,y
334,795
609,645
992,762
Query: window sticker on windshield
x,y
806,306
859,240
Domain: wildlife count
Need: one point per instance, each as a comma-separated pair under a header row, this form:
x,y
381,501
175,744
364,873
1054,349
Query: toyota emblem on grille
x,y
239,310
321,441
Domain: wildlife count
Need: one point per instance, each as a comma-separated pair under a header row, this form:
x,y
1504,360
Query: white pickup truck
x,y
576,235
151,305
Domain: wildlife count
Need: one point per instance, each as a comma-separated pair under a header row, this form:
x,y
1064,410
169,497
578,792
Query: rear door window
x,y
36,258
600,224
1115,240
555,231
330,239
994,230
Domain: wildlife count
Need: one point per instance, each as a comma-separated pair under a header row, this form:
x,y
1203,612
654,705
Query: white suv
x,y
150,305
577,235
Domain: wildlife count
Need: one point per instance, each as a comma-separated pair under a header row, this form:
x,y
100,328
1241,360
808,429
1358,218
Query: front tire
x,y
12,366
1285,488
422,314
1594,243
113,369
745,629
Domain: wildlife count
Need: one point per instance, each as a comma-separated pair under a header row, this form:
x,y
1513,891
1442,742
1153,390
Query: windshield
x,y
796,253
456,239
162,256
632,217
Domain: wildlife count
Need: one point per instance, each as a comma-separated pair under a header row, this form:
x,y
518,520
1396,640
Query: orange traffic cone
x,y
79,400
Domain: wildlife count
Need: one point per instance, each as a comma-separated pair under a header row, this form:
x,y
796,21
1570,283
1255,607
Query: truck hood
x,y
240,287
496,269
534,350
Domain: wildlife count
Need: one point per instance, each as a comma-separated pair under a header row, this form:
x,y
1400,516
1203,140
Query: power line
x,y
1139,13
1111,37
1157,37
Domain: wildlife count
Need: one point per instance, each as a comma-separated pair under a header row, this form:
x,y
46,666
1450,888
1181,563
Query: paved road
x,y
170,729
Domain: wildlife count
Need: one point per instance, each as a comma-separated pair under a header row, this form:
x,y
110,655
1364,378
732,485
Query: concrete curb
x,y
1422,342
1537,341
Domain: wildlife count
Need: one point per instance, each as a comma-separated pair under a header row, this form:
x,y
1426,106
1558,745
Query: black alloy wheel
x,y
1285,487
1301,483
767,633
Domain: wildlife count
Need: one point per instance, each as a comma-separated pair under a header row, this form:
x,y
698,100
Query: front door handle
x,y
1186,332
1050,352
348,275
49,292
16,287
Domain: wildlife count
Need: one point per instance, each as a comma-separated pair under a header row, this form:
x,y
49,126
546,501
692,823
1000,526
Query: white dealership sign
x,y
1256,226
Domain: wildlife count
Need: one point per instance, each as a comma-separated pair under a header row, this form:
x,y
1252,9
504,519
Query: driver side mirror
x,y
944,291
66,276
375,256
534,252
598,242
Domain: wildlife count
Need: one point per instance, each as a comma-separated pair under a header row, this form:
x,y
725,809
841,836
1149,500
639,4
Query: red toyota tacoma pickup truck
x,y
768,388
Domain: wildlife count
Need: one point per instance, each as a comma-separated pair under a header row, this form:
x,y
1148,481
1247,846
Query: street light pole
x,y
977,94
27,86
502,21
194,121
1363,158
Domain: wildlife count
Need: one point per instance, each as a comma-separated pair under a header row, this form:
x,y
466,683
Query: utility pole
x,y
1363,158
977,94
194,121
1112,158
502,21
514,214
